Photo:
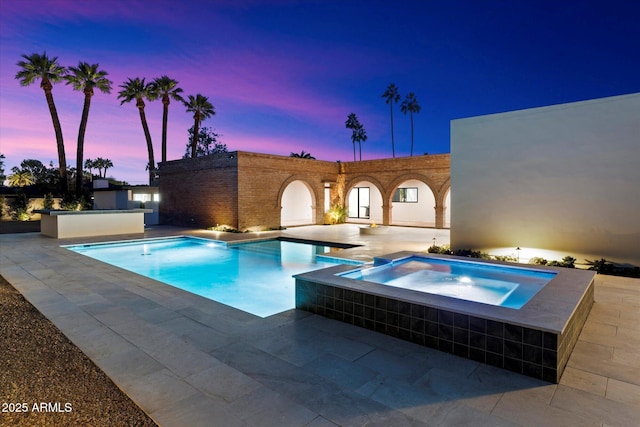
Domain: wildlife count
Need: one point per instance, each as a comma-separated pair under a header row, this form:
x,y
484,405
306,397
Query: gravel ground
x,y
48,379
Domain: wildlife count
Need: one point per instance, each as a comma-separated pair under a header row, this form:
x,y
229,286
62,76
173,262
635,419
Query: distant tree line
x,y
32,172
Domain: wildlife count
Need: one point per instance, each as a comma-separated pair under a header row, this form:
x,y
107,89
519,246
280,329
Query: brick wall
x,y
263,178
243,190
200,192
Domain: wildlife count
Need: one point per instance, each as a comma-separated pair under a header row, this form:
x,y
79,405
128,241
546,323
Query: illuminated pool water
x,y
472,281
254,277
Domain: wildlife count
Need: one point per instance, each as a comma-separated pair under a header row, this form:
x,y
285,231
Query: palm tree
x,y
303,155
165,88
391,96
202,109
85,77
90,165
21,178
104,165
48,70
359,134
139,90
410,104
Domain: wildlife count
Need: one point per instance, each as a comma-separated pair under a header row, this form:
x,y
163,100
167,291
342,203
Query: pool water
x,y
498,285
254,277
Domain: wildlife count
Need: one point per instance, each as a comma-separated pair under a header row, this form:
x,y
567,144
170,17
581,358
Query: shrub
x,y
19,207
538,261
47,203
336,215
602,266
70,203
567,262
434,249
505,258
470,253
226,229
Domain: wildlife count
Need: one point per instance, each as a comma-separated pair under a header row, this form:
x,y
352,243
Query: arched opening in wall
x,y
447,209
413,203
297,205
364,203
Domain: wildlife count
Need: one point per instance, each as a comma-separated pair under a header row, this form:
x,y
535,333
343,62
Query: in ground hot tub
x,y
522,319
501,285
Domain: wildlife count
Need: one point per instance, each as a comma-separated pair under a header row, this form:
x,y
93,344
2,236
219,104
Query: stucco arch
x,y
306,217
446,209
441,194
376,208
415,206
353,181
407,177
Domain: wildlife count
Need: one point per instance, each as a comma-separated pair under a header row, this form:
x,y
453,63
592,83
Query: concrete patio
x,y
189,361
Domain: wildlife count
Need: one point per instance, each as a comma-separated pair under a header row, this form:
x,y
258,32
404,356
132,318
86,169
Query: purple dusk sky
x,y
284,75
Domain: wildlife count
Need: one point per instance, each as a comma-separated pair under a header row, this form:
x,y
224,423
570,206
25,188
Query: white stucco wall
x,y
296,204
422,213
564,178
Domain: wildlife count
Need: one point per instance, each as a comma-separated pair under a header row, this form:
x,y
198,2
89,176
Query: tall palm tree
x,y
391,96
85,77
166,88
358,134
139,90
103,165
410,105
34,67
90,165
202,109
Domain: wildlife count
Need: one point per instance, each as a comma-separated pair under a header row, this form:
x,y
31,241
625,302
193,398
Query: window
x,y
359,202
406,195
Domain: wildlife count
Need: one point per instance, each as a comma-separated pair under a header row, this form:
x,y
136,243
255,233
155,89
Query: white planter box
x,y
67,224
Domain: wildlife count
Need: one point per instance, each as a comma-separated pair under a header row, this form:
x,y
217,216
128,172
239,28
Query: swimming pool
x,y
499,285
255,277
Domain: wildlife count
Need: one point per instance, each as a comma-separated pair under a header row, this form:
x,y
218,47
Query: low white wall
x,y
68,224
564,178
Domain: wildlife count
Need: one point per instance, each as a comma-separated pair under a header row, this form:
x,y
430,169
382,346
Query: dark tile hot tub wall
x,y
538,354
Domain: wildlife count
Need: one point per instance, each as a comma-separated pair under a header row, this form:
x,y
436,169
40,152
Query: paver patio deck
x,y
186,360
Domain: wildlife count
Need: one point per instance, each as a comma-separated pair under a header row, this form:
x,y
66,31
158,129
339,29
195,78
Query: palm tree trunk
x,y
147,135
80,149
393,147
411,115
62,159
354,151
360,149
165,117
194,142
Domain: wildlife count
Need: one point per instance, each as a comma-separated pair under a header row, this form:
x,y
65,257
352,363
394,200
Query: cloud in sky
x,y
284,75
